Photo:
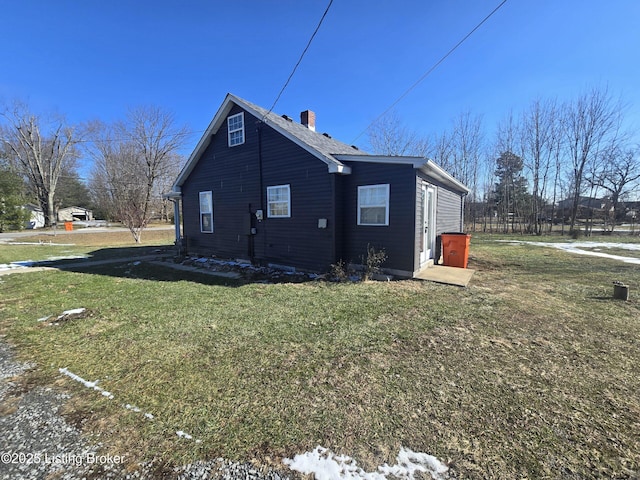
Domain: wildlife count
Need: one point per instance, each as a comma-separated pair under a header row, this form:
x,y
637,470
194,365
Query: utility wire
x,y
300,59
428,72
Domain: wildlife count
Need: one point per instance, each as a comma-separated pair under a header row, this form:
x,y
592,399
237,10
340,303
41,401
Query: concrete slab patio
x,y
447,275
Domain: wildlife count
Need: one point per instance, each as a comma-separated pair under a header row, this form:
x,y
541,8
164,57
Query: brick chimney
x,y
308,119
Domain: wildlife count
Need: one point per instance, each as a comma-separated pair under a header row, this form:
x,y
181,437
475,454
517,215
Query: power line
x,y
428,72
301,57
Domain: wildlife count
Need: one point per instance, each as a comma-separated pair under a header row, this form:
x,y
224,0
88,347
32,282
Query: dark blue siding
x,y
239,176
231,174
234,176
398,238
297,241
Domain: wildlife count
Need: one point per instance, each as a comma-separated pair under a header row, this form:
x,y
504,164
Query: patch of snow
x,y
18,264
186,436
48,244
410,462
135,409
86,383
67,257
102,391
73,311
109,395
576,247
35,263
24,263
325,465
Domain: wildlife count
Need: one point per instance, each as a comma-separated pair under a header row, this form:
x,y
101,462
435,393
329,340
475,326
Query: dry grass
x,y
114,238
45,244
531,372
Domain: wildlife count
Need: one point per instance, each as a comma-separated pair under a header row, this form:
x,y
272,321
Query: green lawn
x,y
531,372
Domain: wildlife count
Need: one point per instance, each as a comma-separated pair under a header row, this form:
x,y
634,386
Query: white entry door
x,y
427,237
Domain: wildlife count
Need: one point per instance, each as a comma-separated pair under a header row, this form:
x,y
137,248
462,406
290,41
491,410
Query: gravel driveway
x,y
37,443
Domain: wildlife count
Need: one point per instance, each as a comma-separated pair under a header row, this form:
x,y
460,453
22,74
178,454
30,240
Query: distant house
x,y
36,219
584,203
71,214
262,187
631,210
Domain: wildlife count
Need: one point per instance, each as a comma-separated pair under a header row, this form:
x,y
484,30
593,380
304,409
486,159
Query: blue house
x,y
268,189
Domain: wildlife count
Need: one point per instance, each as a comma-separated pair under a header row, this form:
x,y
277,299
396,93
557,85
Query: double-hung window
x,y
279,201
235,126
373,205
206,212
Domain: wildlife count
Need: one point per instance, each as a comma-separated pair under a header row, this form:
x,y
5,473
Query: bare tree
x,y
165,183
131,158
539,137
389,136
443,151
41,150
467,142
591,126
618,171
489,207
558,185
507,143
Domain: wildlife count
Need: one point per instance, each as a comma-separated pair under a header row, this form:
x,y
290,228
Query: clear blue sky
x,y
92,59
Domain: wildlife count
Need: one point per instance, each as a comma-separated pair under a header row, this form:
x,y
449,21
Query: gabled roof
x,y
323,147
33,207
74,207
331,152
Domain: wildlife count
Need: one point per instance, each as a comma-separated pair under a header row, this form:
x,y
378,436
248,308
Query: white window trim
x,y
241,129
386,206
269,189
210,193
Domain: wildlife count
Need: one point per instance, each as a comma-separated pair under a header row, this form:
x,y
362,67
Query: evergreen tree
x,y
510,192
72,192
12,199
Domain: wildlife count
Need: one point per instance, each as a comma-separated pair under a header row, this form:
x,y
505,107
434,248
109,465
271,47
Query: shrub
x,y
372,262
339,272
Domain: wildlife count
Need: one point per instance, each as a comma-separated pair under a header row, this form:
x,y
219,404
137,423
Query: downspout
x,y
464,196
262,192
334,220
176,219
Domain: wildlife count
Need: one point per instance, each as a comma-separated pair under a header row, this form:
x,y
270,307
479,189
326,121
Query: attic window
x,y
235,125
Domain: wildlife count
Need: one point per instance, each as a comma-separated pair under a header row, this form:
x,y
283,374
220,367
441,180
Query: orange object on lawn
x,y
455,249
68,226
